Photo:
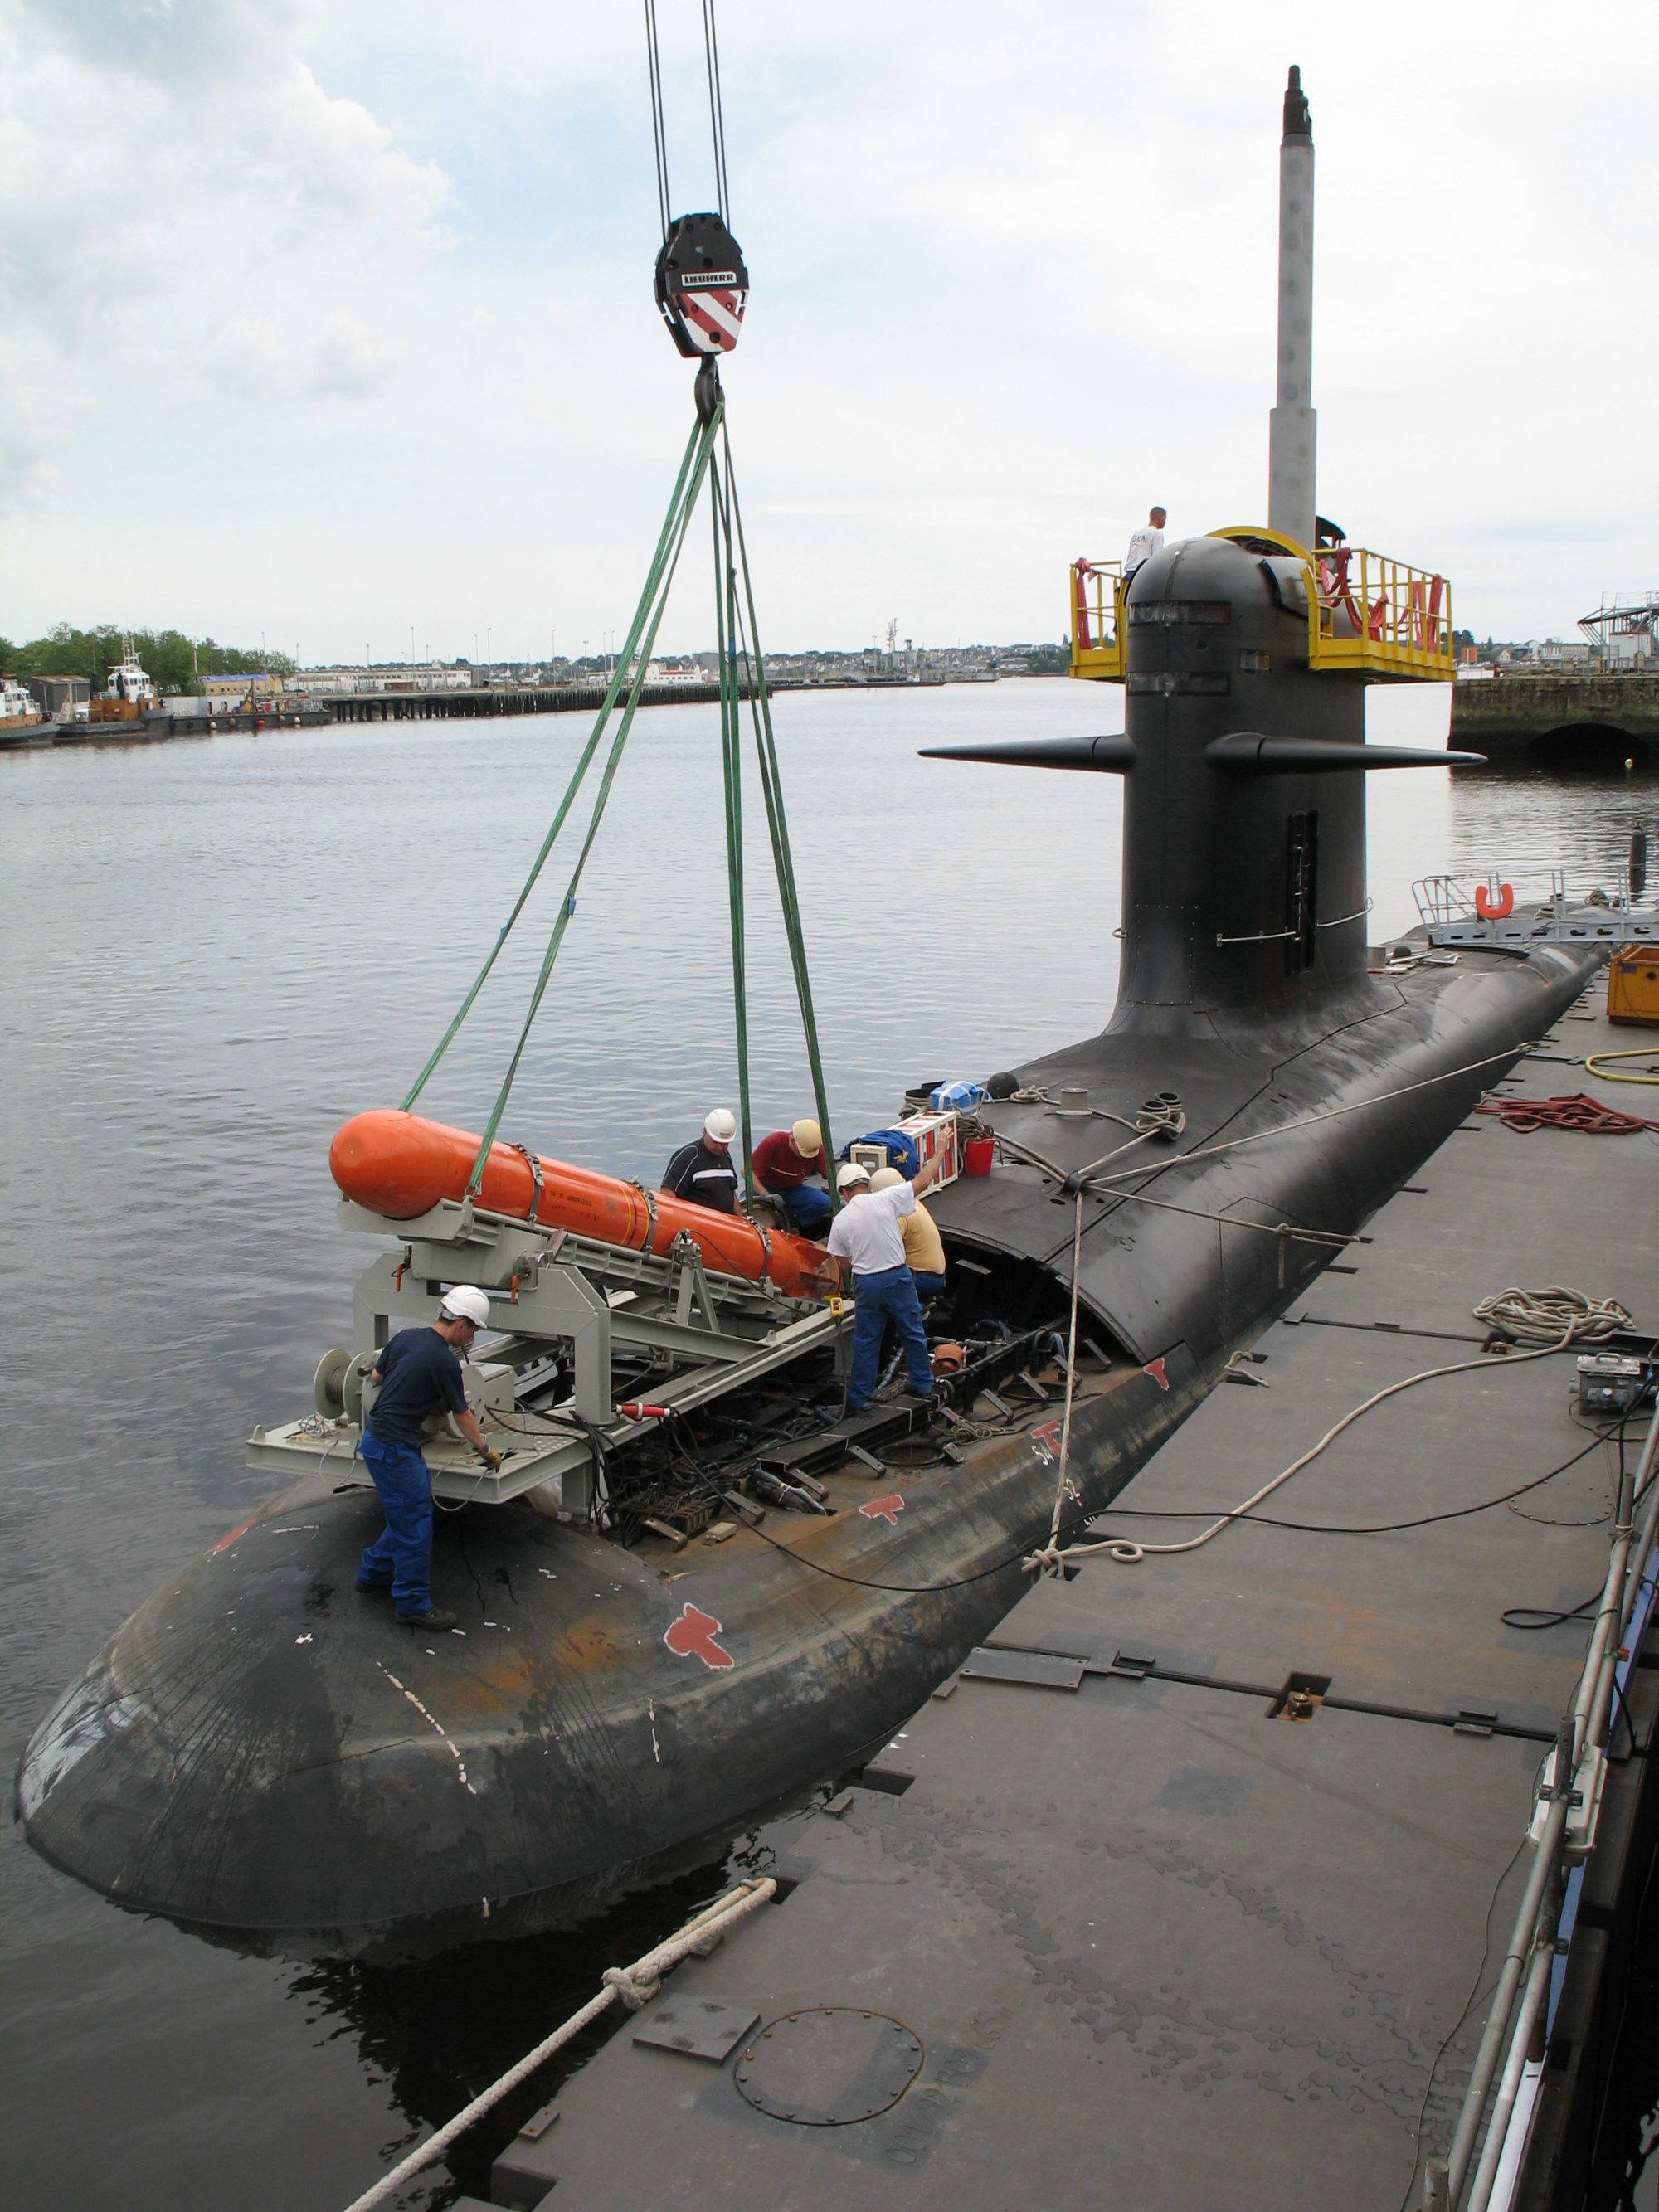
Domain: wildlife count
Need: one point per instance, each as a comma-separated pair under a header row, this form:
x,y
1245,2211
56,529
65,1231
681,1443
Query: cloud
x,y
188,207
1009,284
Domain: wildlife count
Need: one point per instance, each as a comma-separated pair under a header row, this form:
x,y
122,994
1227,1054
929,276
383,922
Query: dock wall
x,y
1559,721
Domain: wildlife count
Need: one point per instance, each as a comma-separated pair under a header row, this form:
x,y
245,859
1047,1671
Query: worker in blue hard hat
x,y
417,1373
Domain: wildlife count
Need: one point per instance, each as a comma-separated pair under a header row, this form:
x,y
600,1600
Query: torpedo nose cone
x,y
396,1164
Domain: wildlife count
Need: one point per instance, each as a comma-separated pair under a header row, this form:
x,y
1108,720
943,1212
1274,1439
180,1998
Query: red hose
x,y
1579,1111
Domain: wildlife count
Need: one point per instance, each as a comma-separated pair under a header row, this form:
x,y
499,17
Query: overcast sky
x,y
331,319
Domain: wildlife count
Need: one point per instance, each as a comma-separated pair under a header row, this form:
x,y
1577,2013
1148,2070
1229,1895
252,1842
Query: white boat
x,y
129,682
19,715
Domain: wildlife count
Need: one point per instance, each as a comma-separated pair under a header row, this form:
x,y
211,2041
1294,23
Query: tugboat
x,y
20,718
129,693
694,1586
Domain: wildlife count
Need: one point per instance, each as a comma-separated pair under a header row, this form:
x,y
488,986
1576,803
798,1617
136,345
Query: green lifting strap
x,y
726,591
644,632
771,779
736,633
698,448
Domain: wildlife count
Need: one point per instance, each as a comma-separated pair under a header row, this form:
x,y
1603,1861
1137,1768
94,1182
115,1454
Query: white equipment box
x,y
934,1135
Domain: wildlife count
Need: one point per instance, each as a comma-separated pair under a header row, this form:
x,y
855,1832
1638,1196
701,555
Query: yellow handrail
x,y
1367,614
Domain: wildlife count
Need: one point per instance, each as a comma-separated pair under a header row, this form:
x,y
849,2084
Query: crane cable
x,y
711,55
659,142
736,633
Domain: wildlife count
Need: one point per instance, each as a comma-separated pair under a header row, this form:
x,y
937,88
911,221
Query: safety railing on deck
x,y
1495,2118
1499,890
1367,615
1370,613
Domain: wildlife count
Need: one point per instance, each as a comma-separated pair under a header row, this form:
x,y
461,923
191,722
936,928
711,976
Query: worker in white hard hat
x,y
417,1373
702,1170
866,1234
790,1164
924,1247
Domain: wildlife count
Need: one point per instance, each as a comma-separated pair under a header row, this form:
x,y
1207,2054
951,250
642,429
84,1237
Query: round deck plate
x,y
827,2066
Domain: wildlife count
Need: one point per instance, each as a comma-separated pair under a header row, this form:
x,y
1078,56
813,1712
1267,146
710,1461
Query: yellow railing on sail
x,y
1097,620
1367,614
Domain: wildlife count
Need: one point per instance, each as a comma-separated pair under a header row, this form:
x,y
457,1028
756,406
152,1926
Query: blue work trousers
x,y
927,1286
806,1210
878,1299
402,1554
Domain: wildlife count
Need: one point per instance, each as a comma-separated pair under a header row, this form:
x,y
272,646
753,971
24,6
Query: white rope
x,y
1158,1121
635,1985
1521,1315
1541,1317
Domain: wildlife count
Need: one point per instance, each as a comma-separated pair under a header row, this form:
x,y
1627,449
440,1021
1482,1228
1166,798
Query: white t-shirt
x,y
866,1232
1143,544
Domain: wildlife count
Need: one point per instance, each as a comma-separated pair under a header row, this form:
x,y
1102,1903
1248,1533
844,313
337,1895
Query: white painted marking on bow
x,y
656,1749
436,1726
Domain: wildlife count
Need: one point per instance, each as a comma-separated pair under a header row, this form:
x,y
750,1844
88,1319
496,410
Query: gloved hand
x,y
492,1459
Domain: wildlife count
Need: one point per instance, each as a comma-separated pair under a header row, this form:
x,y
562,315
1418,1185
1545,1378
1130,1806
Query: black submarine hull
x,y
262,1754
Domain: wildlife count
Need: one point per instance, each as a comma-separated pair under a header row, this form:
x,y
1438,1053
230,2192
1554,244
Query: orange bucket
x,y
976,1155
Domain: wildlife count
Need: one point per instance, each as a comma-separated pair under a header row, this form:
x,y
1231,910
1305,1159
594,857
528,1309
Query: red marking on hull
x,y
884,1508
1046,1438
694,1631
240,1529
1155,1368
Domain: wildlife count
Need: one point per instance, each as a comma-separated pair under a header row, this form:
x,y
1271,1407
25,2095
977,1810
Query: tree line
x,y
175,662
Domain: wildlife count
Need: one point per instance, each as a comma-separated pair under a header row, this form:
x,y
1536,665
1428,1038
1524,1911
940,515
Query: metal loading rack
x,y
628,1325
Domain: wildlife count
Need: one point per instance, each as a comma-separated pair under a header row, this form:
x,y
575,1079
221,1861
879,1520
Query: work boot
x,y
434,1617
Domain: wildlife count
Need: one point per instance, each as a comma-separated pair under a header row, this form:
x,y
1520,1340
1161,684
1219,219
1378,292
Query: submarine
x,y
694,1588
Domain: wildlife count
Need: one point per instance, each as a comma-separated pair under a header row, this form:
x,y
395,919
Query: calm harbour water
x,y
216,949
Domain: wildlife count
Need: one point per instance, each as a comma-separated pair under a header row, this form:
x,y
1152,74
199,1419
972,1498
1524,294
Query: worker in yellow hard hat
x,y
924,1247
790,1164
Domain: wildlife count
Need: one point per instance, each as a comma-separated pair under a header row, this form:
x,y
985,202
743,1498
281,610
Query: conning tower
x,y
1244,657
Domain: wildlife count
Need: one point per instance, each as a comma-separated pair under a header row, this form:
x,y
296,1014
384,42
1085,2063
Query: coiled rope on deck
x,y
635,1985
1548,1320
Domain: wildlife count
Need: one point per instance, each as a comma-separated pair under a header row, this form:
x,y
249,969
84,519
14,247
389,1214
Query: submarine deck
x,y
1157,1946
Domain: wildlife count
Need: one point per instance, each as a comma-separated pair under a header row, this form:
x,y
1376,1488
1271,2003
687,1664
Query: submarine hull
x,y
263,1753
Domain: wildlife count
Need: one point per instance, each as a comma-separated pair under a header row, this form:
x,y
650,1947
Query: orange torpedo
x,y
401,1165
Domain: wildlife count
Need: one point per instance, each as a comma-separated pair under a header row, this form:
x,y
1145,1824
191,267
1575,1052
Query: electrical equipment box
x,y
1633,985
1608,1382
936,1140
934,1136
